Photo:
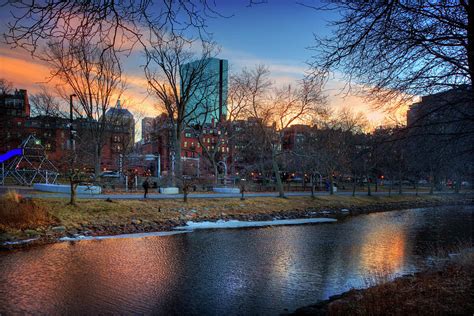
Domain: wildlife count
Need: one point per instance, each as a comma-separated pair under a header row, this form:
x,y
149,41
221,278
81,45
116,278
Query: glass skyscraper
x,y
205,84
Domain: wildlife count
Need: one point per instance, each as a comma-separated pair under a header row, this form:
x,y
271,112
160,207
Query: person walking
x,y
146,186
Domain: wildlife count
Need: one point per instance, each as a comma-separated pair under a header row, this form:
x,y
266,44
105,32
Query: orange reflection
x,y
383,251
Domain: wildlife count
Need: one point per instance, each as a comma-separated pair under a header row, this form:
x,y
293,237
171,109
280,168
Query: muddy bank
x,y
445,289
142,224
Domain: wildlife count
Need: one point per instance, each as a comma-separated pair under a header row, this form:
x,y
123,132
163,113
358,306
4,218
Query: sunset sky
x,y
276,34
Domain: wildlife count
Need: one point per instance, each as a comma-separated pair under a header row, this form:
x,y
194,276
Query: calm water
x,y
250,271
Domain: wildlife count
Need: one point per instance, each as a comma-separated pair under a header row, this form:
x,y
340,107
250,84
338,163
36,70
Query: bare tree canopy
x,y
94,77
117,25
177,76
6,86
396,49
45,103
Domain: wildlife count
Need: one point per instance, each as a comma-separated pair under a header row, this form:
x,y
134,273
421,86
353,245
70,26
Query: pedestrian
x,y
146,186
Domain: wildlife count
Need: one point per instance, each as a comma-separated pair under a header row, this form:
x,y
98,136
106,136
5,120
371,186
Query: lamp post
x,y
222,162
71,130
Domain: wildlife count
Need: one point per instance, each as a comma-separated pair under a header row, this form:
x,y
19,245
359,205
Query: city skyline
x,y
247,36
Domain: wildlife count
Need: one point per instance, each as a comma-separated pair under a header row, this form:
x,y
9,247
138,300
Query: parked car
x,y
110,174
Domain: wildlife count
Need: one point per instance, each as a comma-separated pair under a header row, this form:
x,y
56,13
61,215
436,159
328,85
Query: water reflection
x,y
226,271
383,246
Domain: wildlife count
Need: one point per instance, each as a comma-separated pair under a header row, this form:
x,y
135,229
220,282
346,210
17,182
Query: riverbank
x,y
56,219
445,289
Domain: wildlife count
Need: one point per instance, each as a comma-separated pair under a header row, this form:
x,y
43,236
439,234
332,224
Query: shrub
x,y
21,213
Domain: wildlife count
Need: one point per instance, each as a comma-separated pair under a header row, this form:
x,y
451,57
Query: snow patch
x,y
18,242
137,235
190,225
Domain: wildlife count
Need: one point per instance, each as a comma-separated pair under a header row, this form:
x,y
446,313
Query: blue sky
x,y
276,33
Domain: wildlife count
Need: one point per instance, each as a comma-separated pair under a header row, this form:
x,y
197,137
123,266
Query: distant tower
x,y
209,95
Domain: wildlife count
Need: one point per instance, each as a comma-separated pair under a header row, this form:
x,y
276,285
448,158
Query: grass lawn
x,y
122,211
20,217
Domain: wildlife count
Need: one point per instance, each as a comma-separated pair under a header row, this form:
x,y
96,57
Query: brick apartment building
x,y
156,140
16,124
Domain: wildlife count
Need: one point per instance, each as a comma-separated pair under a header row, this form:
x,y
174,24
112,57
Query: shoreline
x,y
444,288
340,210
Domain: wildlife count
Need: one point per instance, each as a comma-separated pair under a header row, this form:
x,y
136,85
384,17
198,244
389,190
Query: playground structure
x,y
28,164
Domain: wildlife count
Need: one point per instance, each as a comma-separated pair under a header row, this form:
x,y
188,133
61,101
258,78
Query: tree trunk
x,y
400,182
276,171
416,187
177,158
390,187
376,185
72,199
432,183
216,173
354,185
457,185
369,189
97,157
185,194
312,186
331,184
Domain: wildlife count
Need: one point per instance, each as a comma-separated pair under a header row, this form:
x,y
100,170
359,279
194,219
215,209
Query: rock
x,y
136,221
58,229
31,232
345,210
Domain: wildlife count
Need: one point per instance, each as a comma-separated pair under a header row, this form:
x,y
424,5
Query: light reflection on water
x,y
247,271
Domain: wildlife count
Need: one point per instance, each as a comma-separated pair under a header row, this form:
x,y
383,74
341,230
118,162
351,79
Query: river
x,y
228,271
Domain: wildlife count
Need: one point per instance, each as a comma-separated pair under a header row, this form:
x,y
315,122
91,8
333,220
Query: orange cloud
x,y
23,73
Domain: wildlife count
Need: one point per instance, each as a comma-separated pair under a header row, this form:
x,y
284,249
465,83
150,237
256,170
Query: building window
x,y
185,144
47,146
188,135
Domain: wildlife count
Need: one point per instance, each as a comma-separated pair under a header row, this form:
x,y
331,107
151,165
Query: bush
x,y
20,213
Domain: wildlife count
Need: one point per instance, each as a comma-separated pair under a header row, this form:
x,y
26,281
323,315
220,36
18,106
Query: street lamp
x,y
71,131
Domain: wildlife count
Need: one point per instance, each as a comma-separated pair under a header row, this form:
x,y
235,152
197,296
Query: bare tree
x,y
118,25
95,78
45,103
6,86
277,111
182,88
399,49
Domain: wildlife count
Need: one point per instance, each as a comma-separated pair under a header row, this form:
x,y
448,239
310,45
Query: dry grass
x,y
122,211
17,212
436,292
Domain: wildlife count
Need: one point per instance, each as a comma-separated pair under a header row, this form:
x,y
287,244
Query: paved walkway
x,y
139,196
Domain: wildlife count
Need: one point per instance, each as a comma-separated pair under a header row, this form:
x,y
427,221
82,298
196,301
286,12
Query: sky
x,y
277,34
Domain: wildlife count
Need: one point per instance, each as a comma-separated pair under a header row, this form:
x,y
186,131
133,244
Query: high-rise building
x,y
205,84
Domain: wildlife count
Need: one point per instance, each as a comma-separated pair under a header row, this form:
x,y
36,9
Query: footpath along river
x,y
262,271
